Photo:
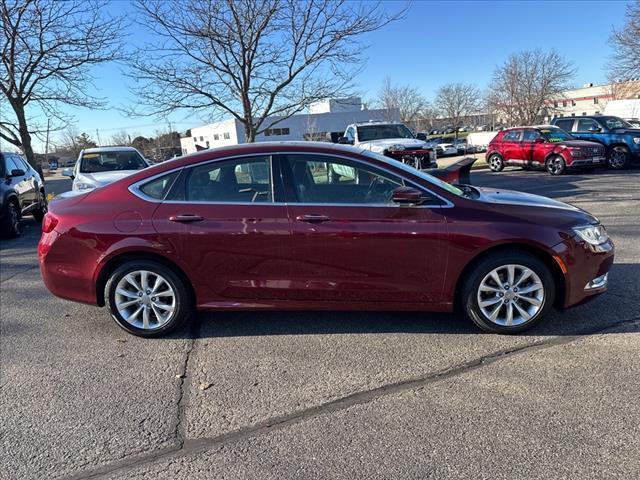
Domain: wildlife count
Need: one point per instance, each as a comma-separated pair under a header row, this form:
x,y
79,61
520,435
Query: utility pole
x,y
46,146
98,138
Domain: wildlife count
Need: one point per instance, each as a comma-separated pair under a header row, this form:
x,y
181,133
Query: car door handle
x,y
186,218
312,218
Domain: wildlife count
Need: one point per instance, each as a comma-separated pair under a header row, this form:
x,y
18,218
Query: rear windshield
x,y
111,161
555,135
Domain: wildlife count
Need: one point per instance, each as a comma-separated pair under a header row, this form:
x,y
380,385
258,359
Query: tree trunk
x,y
249,132
25,138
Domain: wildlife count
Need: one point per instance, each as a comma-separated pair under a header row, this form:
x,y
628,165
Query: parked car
x,y
271,226
620,139
544,148
446,147
462,146
21,193
392,139
100,166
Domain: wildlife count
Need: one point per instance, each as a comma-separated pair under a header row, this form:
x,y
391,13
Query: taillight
x,y
49,223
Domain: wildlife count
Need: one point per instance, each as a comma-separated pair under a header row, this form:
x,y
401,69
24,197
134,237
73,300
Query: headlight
x,y
84,186
575,152
592,234
396,148
636,140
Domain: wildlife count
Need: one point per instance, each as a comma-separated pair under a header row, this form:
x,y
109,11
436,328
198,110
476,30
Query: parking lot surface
x,y
328,394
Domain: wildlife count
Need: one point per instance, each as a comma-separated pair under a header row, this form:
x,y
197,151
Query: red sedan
x,y
315,226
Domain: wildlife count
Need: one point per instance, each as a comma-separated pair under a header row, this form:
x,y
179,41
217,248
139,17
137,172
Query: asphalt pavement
x,y
328,394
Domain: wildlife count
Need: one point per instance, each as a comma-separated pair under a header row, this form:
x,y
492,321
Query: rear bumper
x,y
63,276
584,268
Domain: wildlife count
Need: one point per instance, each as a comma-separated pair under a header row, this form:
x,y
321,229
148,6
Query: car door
x,y
351,243
31,193
533,148
511,146
19,182
588,129
227,230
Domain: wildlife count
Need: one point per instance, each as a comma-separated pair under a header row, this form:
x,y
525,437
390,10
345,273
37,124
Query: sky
x,y
435,44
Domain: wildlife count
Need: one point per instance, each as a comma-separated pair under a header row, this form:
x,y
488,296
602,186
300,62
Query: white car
x,y
446,147
391,139
100,166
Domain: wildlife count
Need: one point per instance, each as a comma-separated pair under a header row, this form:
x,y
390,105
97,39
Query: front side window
x,y
530,135
331,180
350,134
231,181
368,133
111,161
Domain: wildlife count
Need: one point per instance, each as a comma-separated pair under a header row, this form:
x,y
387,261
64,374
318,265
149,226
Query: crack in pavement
x,y
195,446
180,426
18,273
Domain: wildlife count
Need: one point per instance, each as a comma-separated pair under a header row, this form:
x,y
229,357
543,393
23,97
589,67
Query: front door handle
x,y
186,218
312,218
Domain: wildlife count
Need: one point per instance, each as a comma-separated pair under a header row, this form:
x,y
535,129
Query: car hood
x,y
512,197
379,145
627,131
100,179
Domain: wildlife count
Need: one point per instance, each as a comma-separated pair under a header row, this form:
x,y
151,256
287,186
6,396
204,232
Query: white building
x,y
326,119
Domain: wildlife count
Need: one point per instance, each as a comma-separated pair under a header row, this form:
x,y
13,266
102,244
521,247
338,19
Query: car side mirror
x,y
407,196
594,130
17,172
345,141
68,172
421,136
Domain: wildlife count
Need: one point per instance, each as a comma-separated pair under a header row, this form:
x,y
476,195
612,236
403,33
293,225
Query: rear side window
x,y
565,125
586,124
159,187
512,136
240,180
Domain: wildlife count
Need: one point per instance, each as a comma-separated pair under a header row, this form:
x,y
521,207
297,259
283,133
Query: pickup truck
x,y
620,139
393,140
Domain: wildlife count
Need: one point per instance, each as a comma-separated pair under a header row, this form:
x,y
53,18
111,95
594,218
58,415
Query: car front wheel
x,y
41,210
556,165
496,163
618,157
147,298
508,292
11,220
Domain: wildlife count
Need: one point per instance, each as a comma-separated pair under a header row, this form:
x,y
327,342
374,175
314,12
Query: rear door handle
x,y
186,218
312,218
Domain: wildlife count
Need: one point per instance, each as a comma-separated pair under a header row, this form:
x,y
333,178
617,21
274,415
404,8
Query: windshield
x,y
555,135
429,178
615,122
381,132
111,161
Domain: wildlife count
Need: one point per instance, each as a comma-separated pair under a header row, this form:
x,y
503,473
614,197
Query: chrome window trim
x,y
134,188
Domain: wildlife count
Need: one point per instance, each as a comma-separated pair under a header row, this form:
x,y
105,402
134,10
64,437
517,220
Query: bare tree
x,y
526,85
121,139
625,62
405,98
258,61
47,49
456,101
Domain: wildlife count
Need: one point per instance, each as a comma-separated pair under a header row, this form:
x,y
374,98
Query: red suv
x,y
543,147
307,226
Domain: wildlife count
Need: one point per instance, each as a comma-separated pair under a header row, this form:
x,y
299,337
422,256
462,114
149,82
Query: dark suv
x,y
21,192
619,137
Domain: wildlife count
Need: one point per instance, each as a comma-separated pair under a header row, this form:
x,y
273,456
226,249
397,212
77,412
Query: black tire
x,y
470,291
618,157
39,213
496,162
11,220
556,165
183,307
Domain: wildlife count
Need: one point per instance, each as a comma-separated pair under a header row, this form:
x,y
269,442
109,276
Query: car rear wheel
x,y
11,220
508,292
496,163
556,165
39,213
148,299
618,157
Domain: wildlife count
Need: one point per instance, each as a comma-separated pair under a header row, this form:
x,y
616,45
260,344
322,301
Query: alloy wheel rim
x,y
14,218
510,295
554,165
145,299
617,158
495,162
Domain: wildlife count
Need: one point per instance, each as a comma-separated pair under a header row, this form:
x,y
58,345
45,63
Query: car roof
x,y
109,149
366,124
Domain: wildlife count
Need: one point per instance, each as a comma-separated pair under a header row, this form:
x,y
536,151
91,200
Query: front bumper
x,y
587,162
420,159
585,269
